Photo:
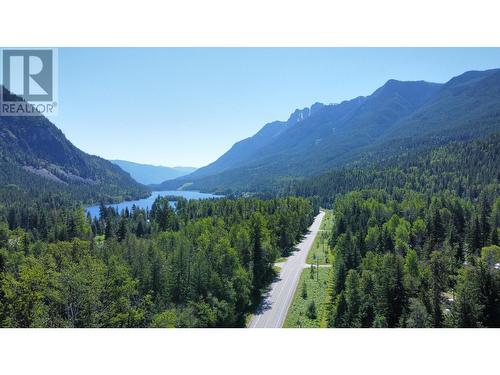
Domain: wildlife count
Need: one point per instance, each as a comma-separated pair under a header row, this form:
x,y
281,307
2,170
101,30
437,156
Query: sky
x,y
187,106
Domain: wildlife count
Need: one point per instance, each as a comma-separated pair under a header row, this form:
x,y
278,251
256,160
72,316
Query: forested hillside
x,y
203,264
397,118
463,168
416,238
36,158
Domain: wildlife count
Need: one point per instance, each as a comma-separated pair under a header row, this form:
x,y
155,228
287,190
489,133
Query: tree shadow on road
x,y
262,304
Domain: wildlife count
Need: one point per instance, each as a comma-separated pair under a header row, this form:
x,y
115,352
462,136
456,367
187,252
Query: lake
x,y
148,202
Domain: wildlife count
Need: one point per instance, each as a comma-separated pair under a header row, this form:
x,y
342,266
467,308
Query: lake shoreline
x,y
146,203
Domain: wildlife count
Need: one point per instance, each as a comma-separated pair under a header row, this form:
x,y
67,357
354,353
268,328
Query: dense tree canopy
x,y
410,260
415,244
198,264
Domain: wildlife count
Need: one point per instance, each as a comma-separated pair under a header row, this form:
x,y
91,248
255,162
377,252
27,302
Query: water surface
x,y
148,202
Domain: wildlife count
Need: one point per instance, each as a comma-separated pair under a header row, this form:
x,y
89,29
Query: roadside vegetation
x,y
320,252
415,244
308,308
416,260
203,264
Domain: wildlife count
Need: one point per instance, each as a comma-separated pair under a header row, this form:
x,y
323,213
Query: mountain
x,y
242,151
36,157
398,116
152,174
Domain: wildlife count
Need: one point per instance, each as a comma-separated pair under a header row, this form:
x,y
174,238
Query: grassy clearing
x,y
320,251
327,222
316,290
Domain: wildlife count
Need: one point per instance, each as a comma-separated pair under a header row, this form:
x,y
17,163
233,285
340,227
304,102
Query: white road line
x,y
280,294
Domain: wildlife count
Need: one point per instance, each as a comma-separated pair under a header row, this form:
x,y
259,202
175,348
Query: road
x,y
273,310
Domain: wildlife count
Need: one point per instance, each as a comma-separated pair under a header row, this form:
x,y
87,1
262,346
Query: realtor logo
x,y
28,75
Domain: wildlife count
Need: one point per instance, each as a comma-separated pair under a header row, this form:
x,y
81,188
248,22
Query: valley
x,y
379,211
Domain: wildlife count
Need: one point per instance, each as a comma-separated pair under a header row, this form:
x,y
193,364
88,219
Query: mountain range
x,y
399,116
152,174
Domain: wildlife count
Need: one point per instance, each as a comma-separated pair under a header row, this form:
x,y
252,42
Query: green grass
x,y
316,291
320,250
327,222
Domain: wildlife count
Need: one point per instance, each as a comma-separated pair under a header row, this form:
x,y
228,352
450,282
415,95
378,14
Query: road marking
x,y
275,315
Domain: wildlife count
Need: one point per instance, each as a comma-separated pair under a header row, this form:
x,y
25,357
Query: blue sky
x,y
175,106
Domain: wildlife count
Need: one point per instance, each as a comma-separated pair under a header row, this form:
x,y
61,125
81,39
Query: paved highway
x,y
273,310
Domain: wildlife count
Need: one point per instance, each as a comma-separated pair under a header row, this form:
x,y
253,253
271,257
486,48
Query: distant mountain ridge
x,y
35,153
245,149
398,115
152,174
